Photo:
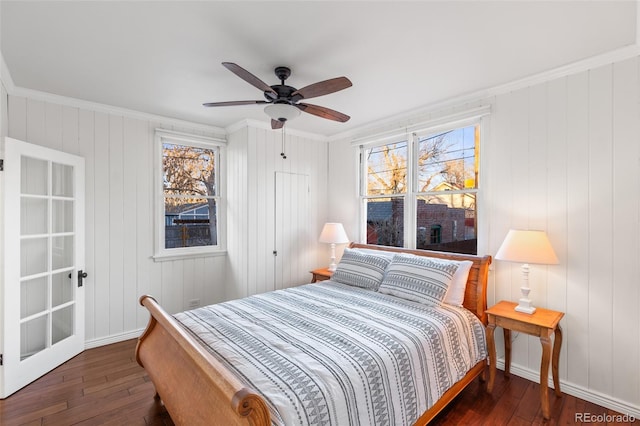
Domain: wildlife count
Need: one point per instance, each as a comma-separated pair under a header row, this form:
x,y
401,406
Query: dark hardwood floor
x,y
105,386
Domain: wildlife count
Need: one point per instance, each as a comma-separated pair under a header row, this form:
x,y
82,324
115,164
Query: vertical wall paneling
x,y
35,121
519,201
70,130
86,149
188,276
53,125
626,229
501,158
236,211
130,139
600,228
556,194
577,217
102,188
536,206
116,223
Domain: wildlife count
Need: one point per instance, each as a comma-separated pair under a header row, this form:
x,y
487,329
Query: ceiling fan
x,y
284,101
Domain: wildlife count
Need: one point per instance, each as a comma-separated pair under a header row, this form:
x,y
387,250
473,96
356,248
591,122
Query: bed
x,y
203,376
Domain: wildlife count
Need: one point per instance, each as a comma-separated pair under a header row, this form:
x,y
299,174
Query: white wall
x,y
563,156
118,150
253,159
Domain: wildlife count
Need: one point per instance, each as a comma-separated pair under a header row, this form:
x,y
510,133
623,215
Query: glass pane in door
x,y
61,324
33,296
62,216
62,249
62,180
33,216
34,176
34,256
61,288
33,336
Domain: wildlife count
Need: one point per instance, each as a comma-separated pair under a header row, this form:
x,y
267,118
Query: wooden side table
x,y
321,274
542,323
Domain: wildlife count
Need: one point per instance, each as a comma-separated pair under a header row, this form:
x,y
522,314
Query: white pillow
x,y
418,278
455,293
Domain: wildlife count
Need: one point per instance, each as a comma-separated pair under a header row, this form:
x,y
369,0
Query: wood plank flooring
x,y
105,386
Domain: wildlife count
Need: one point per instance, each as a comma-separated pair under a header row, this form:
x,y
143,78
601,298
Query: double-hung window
x,y
189,195
419,189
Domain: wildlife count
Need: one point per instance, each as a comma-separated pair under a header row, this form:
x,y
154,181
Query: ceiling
x,y
164,58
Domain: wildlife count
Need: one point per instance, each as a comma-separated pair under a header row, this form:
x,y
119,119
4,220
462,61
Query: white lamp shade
x,y
282,112
526,246
333,233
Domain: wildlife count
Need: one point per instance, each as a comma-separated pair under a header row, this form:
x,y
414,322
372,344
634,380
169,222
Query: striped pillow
x,y
418,278
360,270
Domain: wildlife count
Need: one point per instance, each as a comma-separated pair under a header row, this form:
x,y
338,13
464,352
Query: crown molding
x,y
606,58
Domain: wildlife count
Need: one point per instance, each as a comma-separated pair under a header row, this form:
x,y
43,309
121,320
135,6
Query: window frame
x,y
161,137
412,135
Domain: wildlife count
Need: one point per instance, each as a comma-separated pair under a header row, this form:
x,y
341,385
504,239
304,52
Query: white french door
x,y
43,298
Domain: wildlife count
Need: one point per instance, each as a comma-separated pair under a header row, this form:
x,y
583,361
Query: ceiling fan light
x,y
282,112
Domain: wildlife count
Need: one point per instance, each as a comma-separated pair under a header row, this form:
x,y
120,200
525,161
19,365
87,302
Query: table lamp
x,y
333,233
526,246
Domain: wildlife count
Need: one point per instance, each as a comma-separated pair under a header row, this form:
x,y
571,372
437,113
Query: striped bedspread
x,y
333,354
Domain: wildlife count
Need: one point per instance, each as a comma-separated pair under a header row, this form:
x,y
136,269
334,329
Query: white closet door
x,y
293,240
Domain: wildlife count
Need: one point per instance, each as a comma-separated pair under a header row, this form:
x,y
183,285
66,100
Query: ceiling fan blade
x,y
248,77
232,103
323,112
323,88
276,124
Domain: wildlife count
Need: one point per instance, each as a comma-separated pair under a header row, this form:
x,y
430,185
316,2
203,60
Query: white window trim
x,y
411,135
160,252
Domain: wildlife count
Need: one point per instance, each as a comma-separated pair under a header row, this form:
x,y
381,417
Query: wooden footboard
x,y
194,386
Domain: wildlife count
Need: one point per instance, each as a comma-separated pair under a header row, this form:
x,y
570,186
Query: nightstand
x,y
542,323
321,274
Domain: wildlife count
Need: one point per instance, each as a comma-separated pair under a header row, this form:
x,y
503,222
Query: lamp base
x,y
525,307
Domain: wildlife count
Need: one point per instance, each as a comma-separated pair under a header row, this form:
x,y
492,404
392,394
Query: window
x,y
189,197
436,234
419,190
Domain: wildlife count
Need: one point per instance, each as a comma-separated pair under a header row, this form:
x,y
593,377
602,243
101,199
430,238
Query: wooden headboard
x,y
475,296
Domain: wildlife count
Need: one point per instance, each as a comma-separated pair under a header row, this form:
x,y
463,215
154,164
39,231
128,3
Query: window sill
x,y
188,255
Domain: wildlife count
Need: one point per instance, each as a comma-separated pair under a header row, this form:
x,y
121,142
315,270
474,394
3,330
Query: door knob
x,y
81,275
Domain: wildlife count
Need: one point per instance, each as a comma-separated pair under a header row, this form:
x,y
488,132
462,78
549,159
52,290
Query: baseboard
x,y
101,341
575,390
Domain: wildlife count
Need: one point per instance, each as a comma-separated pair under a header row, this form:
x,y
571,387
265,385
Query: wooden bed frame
x,y
197,389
